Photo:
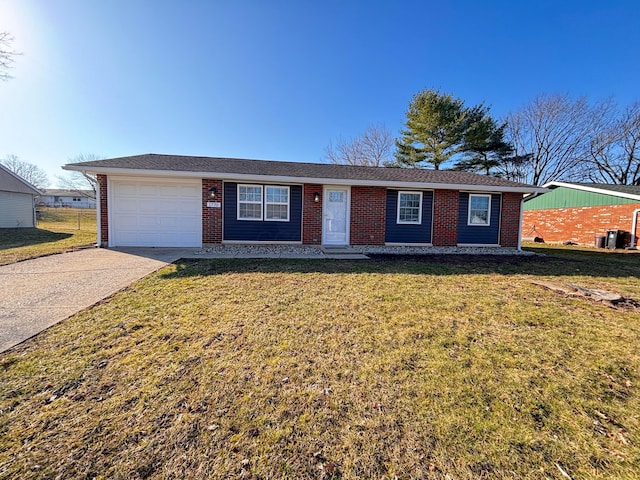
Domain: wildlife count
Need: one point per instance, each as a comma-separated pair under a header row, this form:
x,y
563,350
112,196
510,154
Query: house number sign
x,y
214,204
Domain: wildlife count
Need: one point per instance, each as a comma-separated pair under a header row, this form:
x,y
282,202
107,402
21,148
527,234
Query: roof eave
x,y
584,188
33,188
292,179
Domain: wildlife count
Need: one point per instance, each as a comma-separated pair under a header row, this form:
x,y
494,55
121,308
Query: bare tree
x,y
553,132
614,149
374,148
30,172
7,55
82,183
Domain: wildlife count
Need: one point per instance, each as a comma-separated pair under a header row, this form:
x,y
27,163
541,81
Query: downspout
x,y
520,225
98,222
634,218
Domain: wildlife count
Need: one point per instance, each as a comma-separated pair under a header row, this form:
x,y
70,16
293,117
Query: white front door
x,y
335,213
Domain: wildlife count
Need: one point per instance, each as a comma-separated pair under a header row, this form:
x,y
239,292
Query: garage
x,y
155,213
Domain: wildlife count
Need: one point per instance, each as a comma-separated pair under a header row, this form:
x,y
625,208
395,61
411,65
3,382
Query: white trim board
x,y
601,191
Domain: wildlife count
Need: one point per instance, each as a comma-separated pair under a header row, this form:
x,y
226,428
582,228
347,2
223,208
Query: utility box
x,y
615,239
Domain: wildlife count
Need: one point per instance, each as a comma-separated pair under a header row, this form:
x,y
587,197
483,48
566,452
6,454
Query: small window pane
x,y
250,210
250,194
277,212
336,197
277,195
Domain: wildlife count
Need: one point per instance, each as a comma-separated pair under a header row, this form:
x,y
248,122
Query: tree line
x,y
553,137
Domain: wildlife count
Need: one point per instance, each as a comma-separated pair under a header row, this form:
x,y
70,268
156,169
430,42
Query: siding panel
x,y
563,197
262,231
16,210
477,234
404,233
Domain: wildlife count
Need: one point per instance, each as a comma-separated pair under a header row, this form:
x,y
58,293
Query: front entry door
x,y
335,227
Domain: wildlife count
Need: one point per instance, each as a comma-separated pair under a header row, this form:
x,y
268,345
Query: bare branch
x,y
373,148
7,55
30,172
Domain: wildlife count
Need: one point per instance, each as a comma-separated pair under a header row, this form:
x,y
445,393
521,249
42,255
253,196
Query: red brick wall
x,y
368,215
579,225
311,215
445,218
104,212
211,217
510,219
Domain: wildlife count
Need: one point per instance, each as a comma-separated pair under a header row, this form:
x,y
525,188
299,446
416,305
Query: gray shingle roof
x,y
213,165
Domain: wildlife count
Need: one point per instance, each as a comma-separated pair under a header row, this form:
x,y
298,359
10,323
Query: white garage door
x,y
155,213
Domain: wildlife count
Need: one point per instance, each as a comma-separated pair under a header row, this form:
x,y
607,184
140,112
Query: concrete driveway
x,y
38,293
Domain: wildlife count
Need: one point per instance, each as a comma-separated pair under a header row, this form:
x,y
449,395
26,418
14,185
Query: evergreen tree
x,y
434,130
484,146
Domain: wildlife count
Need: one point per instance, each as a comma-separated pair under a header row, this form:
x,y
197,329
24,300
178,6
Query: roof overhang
x,y
290,179
584,188
30,189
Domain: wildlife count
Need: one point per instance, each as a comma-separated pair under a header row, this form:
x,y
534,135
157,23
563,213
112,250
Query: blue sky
x,y
272,79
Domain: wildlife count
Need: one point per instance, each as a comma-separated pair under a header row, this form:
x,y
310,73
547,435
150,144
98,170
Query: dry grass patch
x,y
317,369
57,232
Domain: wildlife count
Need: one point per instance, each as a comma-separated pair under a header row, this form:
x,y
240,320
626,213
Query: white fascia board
x,y
601,191
276,179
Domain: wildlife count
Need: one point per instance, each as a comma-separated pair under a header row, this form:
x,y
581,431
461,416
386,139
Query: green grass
x,y
444,367
57,232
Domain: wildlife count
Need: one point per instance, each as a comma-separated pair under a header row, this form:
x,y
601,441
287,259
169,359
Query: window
x,y
479,210
277,204
409,207
275,199
249,202
336,197
77,199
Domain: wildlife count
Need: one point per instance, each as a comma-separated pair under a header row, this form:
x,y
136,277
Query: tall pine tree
x,y
440,129
484,147
434,130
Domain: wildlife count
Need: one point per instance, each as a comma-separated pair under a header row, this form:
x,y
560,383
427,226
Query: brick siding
x,y
445,218
311,215
211,217
104,212
510,219
368,215
580,224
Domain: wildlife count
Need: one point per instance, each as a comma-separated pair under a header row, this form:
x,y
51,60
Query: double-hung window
x,y
409,207
263,202
249,202
479,210
276,204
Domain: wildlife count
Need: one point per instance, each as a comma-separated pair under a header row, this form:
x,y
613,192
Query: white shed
x,y
16,200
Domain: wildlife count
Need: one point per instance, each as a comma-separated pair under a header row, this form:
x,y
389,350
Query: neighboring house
x,y
580,212
16,200
68,198
166,200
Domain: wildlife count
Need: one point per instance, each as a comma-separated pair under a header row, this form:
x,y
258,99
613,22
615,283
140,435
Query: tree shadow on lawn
x,y
553,263
23,237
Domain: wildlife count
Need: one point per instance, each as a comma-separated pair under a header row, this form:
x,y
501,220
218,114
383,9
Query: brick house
x,y
178,201
580,212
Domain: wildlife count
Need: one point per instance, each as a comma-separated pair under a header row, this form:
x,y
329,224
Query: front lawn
x,y
439,367
59,230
